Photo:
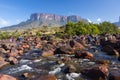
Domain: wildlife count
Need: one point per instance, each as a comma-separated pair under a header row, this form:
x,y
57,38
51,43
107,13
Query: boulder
x,y
66,49
83,54
110,51
46,77
6,77
76,45
12,60
47,53
114,75
3,63
2,59
27,75
97,73
71,68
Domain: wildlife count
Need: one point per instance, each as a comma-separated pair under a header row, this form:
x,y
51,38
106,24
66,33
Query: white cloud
x,y
99,20
89,20
3,22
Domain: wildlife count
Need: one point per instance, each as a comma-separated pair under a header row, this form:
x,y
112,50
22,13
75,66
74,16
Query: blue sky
x,y
15,11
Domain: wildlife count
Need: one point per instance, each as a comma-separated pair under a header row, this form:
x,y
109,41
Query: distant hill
x,y
117,24
44,19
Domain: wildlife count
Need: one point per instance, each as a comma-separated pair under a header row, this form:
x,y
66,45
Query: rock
x,y
46,77
6,77
47,53
97,73
71,68
83,54
76,45
114,75
110,51
66,49
12,60
2,59
55,71
71,76
25,46
27,75
66,59
3,63
104,62
59,62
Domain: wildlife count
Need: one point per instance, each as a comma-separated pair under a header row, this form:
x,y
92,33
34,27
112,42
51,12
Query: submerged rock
x,y
47,77
110,51
114,75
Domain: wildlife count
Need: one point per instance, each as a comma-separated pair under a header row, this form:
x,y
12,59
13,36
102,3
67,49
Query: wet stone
x,y
114,74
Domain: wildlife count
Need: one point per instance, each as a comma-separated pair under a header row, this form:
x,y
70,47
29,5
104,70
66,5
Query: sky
x,y
15,11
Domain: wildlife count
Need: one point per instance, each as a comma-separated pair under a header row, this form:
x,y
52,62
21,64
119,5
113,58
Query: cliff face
x,y
53,17
41,19
50,17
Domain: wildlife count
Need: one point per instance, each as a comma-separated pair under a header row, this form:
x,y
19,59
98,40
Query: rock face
x,y
44,19
53,19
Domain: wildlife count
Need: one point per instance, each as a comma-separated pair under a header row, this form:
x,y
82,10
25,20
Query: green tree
x,y
107,27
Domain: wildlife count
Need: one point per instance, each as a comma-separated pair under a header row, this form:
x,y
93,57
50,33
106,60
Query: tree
x,y
107,27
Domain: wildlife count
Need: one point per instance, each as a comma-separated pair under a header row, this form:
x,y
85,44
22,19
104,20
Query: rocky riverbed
x,y
62,60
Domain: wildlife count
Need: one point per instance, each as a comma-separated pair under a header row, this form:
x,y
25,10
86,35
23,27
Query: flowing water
x,y
38,65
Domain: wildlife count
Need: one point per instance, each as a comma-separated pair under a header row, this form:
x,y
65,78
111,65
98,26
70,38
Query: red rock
x,y
25,46
64,50
3,63
76,45
13,60
47,77
2,59
6,77
47,53
97,73
83,54
28,75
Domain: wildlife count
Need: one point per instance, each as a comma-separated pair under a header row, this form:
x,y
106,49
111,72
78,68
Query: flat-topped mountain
x,y
44,19
117,23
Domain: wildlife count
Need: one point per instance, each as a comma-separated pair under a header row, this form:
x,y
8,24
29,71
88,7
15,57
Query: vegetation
x,y
68,30
82,27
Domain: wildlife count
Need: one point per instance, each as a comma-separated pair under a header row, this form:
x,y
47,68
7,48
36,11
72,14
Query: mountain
x,y
44,19
117,23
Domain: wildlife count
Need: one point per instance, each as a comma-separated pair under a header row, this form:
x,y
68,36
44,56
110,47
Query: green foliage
x,y
107,27
81,28
15,34
4,35
38,33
